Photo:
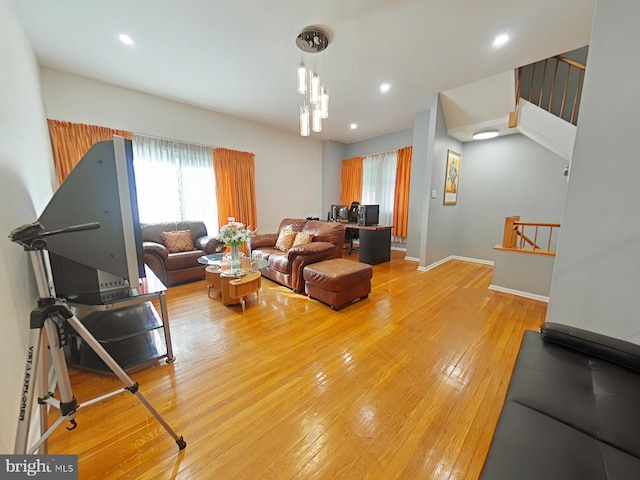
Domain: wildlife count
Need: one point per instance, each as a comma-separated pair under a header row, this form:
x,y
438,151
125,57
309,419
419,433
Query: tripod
x,y
47,329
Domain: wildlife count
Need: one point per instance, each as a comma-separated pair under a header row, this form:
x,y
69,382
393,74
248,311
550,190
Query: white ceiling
x,y
239,57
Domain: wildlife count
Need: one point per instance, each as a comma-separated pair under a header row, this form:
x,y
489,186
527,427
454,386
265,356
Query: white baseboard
x,y
412,259
435,264
519,293
472,260
455,257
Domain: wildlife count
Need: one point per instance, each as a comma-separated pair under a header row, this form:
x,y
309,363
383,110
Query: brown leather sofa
x,y
287,268
179,267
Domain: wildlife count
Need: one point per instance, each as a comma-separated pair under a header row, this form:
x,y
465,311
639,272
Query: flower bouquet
x,y
234,234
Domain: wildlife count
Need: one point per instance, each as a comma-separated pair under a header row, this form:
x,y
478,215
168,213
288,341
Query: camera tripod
x,y
47,330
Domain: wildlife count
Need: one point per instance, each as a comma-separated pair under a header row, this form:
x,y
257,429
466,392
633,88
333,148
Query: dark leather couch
x,y
572,410
287,268
174,268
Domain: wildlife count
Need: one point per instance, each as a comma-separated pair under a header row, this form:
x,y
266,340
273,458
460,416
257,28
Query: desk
x,y
375,242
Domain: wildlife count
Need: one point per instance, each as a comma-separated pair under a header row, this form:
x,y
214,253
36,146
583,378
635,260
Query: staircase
x,y
548,103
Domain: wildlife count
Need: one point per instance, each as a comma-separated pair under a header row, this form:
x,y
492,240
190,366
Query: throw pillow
x,y
302,238
285,240
178,241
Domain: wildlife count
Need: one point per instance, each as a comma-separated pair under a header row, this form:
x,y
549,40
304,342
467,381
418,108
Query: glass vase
x,y
234,255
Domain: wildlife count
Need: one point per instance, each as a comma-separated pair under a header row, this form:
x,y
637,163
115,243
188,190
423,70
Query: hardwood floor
x,y
406,384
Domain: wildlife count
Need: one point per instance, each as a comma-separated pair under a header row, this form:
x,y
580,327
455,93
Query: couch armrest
x,y
155,248
608,348
304,255
263,240
209,245
310,249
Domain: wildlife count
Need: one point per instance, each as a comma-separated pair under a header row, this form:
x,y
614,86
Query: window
x,y
175,181
379,183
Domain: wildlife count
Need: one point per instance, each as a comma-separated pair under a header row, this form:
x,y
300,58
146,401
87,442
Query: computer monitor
x,y
339,213
368,215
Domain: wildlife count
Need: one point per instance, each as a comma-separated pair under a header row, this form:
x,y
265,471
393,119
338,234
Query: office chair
x,y
351,234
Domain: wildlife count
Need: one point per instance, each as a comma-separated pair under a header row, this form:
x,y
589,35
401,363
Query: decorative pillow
x,y
302,238
285,240
178,241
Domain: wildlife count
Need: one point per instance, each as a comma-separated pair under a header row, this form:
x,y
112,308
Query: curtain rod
x,y
379,153
174,140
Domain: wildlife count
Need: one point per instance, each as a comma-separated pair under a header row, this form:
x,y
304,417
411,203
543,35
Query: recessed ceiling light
x,y
500,40
126,39
385,87
486,134
353,126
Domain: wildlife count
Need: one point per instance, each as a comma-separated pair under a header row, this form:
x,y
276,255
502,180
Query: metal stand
x,y
47,324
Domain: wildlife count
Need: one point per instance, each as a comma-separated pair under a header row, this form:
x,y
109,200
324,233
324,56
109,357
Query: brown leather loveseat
x,y
177,266
286,267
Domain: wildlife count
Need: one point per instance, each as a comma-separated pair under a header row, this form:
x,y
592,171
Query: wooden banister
x,y
544,93
514,236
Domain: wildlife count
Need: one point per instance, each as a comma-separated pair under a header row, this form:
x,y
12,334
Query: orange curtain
x,y
235,186
351,181
70,141
401,200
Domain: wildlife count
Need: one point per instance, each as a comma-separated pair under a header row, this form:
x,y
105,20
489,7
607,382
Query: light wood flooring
x,y
407,384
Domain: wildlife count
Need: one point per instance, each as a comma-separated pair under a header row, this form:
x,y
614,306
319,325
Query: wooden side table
x,y
234,289
212,273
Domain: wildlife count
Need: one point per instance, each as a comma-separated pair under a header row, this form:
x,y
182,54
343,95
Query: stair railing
x,y
518,236
544,86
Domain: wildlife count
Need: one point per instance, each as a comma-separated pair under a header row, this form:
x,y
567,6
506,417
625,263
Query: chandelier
x,y
315,103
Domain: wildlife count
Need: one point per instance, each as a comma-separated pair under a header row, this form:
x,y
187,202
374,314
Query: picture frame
x,y
452,178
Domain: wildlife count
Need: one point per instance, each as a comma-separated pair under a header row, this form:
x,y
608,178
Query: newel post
x,y
510,235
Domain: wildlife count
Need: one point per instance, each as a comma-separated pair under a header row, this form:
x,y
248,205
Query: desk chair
x,y
352,234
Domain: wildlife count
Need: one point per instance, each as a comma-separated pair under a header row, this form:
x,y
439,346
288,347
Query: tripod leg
x,y
26,400
43,367
121,374
54,328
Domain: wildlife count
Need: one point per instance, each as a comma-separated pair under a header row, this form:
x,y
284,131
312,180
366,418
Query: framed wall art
x,y
452,178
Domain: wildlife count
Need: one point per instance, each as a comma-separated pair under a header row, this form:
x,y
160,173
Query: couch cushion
x,y
178,261
326,232
302,238
592,395
152,232
178,241
285,240
529,445
293,224
279,261
265,252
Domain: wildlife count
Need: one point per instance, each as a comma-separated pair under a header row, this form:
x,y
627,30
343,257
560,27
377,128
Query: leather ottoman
x,y
337,282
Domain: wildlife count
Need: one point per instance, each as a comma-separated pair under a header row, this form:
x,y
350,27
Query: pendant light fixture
x,y
315,108
304,120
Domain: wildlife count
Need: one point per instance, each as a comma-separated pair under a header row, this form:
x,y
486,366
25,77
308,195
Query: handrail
x,y
542,94
514,236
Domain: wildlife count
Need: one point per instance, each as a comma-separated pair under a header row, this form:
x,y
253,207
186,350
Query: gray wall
x,y
383,143
26,185
525,273
417,193
332,155
596,280
501,177
442,219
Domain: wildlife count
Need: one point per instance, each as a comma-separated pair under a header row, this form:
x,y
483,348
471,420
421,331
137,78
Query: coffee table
x,y
235,284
